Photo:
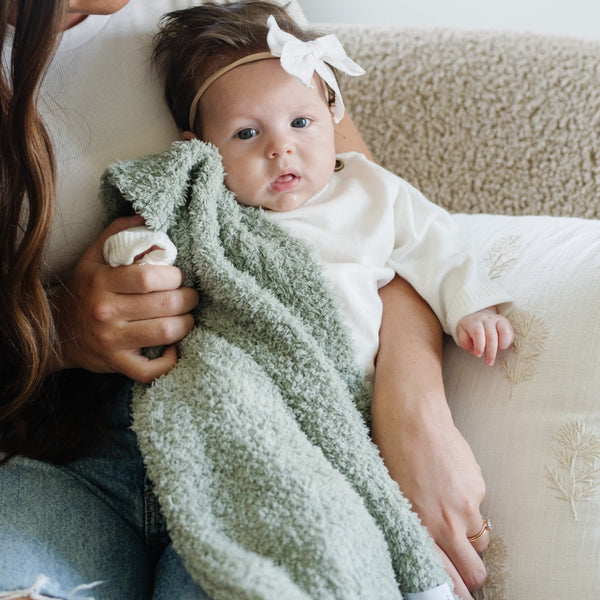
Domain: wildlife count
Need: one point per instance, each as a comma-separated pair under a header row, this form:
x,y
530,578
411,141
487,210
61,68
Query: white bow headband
x,y
300,60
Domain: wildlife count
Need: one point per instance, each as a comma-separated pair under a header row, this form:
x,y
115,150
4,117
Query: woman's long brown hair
x,y
27,190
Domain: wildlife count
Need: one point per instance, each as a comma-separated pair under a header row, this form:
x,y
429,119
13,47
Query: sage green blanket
x,y
257,441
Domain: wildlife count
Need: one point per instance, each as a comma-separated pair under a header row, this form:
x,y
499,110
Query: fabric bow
x,y
301,59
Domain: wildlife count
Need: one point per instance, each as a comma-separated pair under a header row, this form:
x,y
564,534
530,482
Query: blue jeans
x,y
90,528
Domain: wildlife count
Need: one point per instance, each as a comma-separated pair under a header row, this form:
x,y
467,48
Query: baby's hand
x,y
485,330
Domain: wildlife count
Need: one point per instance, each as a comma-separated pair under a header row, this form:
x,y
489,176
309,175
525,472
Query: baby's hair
x,y
194,43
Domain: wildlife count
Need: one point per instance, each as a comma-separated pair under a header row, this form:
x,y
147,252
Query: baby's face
x,y
275,135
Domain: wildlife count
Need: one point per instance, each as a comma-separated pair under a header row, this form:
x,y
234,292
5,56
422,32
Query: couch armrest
x,y
481,121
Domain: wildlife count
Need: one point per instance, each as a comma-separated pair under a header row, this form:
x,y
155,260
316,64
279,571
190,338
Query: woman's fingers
x,y
460,589
140,278
155,332
465,558
142,306
106,316
139,368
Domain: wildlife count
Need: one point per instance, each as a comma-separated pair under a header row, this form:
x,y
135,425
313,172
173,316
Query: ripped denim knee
x,y
44,586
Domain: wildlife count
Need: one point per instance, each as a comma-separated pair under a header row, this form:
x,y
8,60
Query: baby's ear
x,y
331,102
189,135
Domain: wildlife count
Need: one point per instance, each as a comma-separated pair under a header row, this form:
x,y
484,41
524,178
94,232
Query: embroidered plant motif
x,y
521,362
576,473
495,558
502,253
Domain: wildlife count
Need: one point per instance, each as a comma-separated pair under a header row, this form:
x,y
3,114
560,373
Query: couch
x,y
503,130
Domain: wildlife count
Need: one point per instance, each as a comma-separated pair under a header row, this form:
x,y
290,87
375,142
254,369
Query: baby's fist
x,y
485,331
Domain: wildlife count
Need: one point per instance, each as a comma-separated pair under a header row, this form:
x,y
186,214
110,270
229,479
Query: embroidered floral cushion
x,y
533,419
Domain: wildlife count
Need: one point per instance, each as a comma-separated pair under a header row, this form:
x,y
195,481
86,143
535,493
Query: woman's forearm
x,y
413,428
409,361
347,138
408,398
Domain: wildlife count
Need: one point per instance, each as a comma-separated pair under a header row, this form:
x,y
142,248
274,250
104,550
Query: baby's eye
x,y
246,134
300,122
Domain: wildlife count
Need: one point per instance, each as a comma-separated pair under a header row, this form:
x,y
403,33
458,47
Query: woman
x,y
75,506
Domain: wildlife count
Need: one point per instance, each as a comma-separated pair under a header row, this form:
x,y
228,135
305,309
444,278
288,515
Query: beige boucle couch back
x,y
482,121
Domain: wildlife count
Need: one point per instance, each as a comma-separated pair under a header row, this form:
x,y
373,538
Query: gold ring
x,y
486,526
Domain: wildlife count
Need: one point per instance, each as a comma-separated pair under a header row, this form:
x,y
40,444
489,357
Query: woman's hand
x,y
105,315
413,427
436,471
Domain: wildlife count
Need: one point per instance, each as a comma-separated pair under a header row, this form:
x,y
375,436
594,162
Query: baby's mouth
x,y
285,178
285,182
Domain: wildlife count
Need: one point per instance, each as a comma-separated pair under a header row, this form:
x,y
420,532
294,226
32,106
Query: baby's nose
x,y
279,146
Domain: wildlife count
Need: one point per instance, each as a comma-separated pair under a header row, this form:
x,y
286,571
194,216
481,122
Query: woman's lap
x,y
92,520
53,525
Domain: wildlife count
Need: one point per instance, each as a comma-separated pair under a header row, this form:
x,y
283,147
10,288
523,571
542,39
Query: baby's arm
x,y
139,245
485,331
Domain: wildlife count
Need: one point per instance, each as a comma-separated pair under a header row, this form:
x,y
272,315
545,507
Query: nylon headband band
x,y
242,61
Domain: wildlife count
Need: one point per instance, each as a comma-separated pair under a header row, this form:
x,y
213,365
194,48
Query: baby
x,y
268,100
262,91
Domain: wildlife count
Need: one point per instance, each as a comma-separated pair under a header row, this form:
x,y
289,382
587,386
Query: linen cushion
x,y
532,419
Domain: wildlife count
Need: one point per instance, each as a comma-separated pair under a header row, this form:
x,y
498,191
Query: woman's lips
x,y
285,182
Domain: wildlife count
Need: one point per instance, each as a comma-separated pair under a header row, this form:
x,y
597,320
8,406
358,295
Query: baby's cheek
x,y
243,186
234,181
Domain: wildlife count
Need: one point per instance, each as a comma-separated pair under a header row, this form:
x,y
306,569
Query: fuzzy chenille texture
x,y
257,441
481,121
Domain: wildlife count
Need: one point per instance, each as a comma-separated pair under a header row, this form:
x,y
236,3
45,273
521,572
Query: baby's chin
x,y
293,200
288,202
282,202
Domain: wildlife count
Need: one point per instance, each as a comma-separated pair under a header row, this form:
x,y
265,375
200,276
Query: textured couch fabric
x,y
508,125
482,121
